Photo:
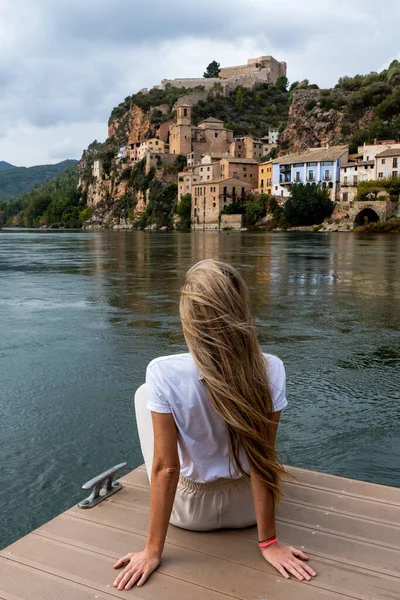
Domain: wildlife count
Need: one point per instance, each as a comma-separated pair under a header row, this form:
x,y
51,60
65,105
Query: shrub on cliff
x,y
184,211
162,199
308,204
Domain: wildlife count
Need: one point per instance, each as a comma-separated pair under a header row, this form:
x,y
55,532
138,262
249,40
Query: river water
x,y
82,313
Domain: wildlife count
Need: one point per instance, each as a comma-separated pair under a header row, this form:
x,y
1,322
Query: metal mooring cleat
x,y
101,487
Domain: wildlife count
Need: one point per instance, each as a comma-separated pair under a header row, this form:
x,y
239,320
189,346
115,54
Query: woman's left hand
x,y
287,559
140,567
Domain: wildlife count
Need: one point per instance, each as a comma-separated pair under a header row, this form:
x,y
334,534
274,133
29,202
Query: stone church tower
x,y
180,141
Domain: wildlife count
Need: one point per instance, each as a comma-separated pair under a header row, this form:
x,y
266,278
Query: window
x,y
327,177
185,112
262,183
345,180
201,169
216,134
208,168
345,196
311,175
214,205
356,168
276,188
383,161
355,180
380,175
395,163
297,175
394,173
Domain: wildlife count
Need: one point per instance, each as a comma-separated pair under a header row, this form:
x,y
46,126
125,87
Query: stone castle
x,y
262,69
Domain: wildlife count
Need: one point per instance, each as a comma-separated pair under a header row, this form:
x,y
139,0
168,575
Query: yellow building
x,y
209,198
265,177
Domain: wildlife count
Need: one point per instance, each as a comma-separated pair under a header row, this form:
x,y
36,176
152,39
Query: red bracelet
x,y
268,543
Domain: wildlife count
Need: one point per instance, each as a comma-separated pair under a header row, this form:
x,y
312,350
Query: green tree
x,y
282,83
212,70
239,100
184,211
3,219
308,204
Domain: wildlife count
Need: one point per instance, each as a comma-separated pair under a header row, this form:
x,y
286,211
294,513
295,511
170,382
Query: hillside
x,y
56,203
5,165
17,180
357,110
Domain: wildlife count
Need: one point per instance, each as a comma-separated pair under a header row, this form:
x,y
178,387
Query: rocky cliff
x,y
311,125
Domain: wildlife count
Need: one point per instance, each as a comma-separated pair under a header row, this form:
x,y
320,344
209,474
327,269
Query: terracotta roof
x,y
219,181
250,161
211,120
389,152
362,163
312,155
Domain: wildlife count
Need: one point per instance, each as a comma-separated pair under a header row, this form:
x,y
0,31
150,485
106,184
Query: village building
x,y
186,180
245,169
387,163
265,177
97,169
246,147
316,165
351,174
370,151
210,136
139,150
209,199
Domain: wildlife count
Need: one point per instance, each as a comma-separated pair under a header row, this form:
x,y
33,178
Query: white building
x,y
351,174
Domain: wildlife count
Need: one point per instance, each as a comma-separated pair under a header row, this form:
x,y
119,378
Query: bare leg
x,y
145,428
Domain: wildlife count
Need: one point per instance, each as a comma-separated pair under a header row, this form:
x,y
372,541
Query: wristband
x,y
267,543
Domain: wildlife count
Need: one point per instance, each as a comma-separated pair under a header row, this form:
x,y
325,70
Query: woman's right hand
x,y
140,567
287,559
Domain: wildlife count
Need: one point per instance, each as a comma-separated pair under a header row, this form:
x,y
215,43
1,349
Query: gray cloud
x,y
64,64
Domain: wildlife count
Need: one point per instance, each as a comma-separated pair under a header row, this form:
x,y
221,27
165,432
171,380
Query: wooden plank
x,y
351,505
244,552
24,583
372,491
327,498
322,544
315,519
214,578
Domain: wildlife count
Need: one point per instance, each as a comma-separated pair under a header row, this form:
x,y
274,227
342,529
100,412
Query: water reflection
x,y
82,314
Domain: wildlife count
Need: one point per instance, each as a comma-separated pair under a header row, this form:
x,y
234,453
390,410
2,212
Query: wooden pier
x,y
350,529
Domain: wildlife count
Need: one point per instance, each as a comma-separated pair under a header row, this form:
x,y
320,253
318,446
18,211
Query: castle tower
x,y
180,140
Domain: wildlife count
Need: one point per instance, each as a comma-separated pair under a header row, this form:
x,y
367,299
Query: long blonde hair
x,y
219,331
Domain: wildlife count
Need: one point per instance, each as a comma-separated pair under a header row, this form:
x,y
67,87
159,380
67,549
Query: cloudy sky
x,y
64,64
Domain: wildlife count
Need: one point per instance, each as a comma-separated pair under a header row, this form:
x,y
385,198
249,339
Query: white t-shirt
x,y
173,386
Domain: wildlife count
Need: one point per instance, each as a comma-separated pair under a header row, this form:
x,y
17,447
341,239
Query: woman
x,y
215,413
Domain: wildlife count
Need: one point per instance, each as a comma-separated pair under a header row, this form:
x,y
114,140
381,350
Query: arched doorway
x,y
366,215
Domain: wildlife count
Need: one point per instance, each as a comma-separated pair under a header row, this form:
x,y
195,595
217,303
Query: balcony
x,y
285,180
